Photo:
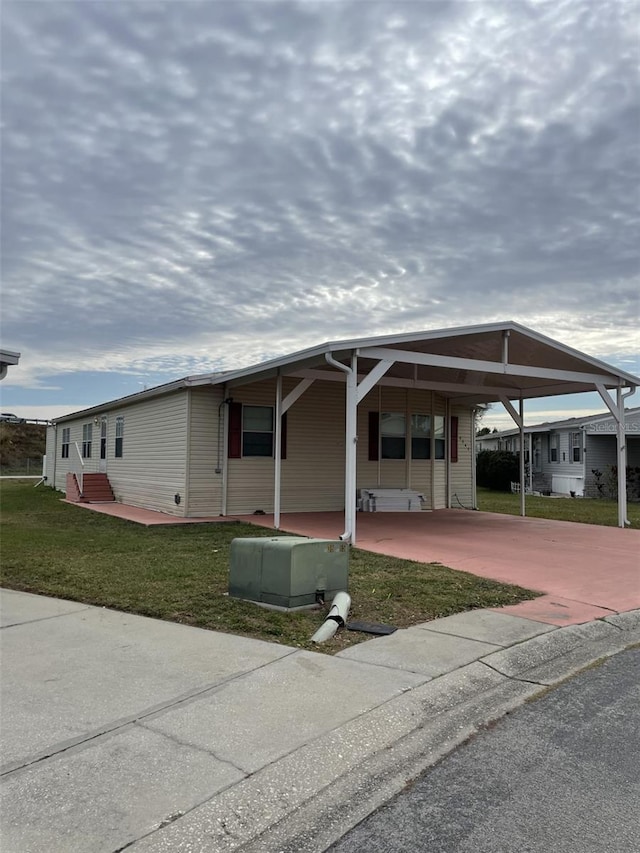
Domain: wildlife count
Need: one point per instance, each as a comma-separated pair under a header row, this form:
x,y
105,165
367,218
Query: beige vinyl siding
x,y
440,465
313,473
461,471
153,465
250,481
205,486
427,476
384,473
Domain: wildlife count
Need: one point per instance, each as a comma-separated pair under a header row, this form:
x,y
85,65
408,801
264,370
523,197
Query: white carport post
x,y
622,462
518,417
523,484
354,394
277,437
617,411
351,438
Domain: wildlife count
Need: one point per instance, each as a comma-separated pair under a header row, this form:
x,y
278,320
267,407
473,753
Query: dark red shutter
x,y
454,438
283,437
374,436
235,430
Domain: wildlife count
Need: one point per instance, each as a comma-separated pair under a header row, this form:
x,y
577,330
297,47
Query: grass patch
x,y
180,573
584,510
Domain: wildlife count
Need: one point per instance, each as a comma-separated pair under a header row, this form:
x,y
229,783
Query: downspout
x,y
351,404
224,408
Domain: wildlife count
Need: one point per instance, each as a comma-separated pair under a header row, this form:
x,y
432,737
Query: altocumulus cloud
x,y
196,186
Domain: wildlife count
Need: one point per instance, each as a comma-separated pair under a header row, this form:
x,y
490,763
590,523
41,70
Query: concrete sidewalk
x,y
120,731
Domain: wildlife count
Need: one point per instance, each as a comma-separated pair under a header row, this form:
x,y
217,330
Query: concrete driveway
x,y
585,570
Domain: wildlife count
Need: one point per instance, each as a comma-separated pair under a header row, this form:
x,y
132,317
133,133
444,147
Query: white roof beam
x,y
456,363
512,411
450,387
295,394
375,375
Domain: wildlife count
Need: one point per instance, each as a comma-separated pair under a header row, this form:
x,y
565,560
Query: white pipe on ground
x,y
336,618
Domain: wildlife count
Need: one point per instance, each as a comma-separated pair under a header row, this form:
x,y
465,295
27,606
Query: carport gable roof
x,y
471,364
475,364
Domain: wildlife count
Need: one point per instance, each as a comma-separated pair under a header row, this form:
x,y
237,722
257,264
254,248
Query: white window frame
x,y
575,444
387,418
87,440
66,442
118,448
246,432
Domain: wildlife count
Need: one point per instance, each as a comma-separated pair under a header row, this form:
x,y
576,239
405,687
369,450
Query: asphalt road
x,y
559,775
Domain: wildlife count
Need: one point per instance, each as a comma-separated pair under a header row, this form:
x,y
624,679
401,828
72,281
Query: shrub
x,y
497,469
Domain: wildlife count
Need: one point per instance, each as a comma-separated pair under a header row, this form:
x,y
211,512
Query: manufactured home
x,y
311,430
576,456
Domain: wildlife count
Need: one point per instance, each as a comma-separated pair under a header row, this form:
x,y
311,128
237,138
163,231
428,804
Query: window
x,y
103,437
393,432
388,436
66,437
257,430
421,436
553,447
87,434
576,446
119,436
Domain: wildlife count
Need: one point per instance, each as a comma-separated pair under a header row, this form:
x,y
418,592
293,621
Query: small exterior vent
x,y
287,571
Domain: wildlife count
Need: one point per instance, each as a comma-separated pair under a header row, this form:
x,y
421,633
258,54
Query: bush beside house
x,y
497,469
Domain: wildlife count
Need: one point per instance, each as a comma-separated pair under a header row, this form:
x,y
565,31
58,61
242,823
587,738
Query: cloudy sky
x,y
193,186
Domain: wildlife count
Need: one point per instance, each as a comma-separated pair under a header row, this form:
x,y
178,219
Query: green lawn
x,y
585,510
180,572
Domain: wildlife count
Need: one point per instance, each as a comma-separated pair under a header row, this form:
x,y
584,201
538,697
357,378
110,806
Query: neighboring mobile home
x,y
307,431
575,456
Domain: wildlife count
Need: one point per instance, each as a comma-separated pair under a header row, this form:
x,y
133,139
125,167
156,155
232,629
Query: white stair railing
x,y
77,465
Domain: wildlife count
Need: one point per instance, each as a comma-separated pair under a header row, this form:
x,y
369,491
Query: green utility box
x,y
287,571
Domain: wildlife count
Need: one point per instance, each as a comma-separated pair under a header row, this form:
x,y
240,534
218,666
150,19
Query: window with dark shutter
x,y
235,430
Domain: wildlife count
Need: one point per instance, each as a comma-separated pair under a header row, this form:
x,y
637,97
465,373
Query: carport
x,y
472,366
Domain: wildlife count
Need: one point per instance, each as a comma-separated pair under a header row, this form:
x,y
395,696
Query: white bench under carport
x,y
390,500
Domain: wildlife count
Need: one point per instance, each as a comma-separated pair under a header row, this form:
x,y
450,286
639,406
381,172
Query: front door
x,y
103,444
